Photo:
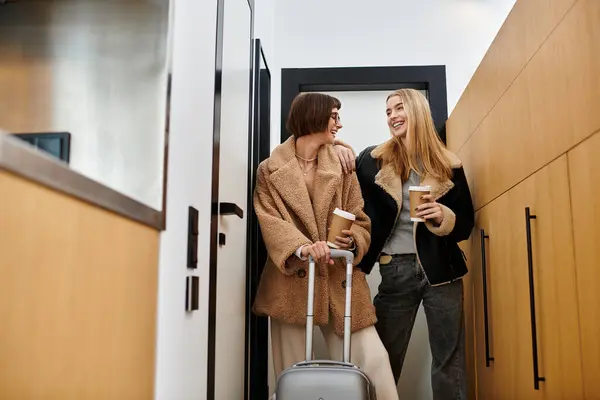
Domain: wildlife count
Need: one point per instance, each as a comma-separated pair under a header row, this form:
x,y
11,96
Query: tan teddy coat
x,y
289,220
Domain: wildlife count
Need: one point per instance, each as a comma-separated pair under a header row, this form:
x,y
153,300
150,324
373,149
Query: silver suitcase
x,y
326,379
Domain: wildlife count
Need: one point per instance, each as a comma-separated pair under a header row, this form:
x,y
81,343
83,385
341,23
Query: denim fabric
x,y
403,287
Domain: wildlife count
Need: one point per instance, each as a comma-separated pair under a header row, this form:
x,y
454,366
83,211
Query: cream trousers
x,y
367,352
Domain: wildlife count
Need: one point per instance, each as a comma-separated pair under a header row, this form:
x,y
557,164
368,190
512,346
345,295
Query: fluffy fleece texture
x,y
389,181
288,220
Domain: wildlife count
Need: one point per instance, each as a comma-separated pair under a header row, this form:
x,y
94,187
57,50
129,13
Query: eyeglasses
x,y
336,118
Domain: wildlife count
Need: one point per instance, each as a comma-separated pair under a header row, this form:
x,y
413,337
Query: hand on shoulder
x,y
346,156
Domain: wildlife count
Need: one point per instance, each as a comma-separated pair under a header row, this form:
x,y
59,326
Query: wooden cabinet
x,y
78,288
469,326
495,307
509,297
584,164
546,194
479,312
520,156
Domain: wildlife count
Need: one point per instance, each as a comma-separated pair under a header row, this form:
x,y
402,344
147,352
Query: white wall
x,y
264,27
352,33
182,338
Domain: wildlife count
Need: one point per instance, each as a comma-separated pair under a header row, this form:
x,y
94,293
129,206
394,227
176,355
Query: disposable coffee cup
x,y
341,221
415,194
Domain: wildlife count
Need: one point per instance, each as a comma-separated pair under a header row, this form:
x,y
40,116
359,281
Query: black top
x,y
441,258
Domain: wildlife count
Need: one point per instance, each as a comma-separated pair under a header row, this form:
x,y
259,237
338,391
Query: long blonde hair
x,y
427,150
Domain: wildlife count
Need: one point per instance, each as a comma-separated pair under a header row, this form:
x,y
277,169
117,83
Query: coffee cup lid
x,y
344,214
419,188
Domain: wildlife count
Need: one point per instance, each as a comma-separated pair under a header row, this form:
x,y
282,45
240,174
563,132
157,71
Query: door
x,y
470,346
229,275
494,307
479,312
553,296
584,165
363,92
532,306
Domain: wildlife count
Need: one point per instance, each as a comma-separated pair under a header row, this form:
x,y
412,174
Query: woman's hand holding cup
x,y
346,242
430,210
341,223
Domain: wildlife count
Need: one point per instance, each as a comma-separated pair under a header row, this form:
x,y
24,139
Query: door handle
x,y
486,334
536,372
230,209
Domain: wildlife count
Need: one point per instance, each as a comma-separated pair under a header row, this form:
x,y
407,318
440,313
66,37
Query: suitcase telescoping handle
x,y
349,257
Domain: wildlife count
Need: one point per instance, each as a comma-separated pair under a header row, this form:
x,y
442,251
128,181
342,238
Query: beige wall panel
x,y
584,164
77,298
551,107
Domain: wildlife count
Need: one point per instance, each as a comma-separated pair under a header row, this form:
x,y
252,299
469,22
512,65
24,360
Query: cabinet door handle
x,y
486,333
536,372
231,209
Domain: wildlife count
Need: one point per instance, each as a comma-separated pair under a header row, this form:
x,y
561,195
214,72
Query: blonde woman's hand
x,y
347,242
346,157
319,251
430,210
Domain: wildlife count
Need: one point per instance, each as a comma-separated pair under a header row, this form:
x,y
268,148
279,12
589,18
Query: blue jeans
x,y
403,287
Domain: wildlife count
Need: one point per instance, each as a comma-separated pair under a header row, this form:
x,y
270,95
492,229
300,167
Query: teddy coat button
x,y
344,284
301,273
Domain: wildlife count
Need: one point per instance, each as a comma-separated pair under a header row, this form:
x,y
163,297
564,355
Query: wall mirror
x,y
98,71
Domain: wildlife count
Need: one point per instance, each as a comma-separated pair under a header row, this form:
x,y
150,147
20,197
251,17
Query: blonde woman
x,y
419,262
297,189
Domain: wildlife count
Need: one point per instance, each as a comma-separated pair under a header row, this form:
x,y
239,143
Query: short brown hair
x,y
310,113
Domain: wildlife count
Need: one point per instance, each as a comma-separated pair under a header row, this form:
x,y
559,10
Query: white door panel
x,y
233,188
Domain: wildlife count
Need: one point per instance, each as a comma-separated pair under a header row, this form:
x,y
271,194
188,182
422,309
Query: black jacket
x,y
436,246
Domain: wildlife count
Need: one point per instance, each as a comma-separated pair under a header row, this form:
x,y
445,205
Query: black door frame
x,y
257,328
214,220
295,81
431,78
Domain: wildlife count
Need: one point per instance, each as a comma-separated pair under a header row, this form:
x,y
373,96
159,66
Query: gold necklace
x,y
306,159
306,171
